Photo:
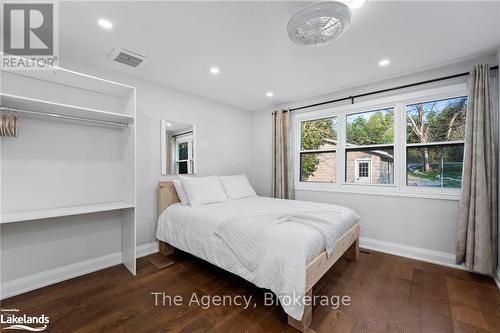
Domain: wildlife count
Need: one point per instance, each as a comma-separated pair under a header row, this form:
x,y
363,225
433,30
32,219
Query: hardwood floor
x,y
388,294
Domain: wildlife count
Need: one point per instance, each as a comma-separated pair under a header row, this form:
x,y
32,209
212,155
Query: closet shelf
x,y
47,107
63,211
77,80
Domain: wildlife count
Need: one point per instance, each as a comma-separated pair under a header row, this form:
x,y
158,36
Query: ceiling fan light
x,y
319,23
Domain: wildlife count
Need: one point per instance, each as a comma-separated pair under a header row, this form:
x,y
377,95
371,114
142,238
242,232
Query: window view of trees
x,y
364,164
444,166
371,128
441,122
318,150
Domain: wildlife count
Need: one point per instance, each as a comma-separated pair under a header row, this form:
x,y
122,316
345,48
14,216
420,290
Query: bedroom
x,y
346,165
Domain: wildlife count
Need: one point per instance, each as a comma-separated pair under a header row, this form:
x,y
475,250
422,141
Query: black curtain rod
x,y
351,98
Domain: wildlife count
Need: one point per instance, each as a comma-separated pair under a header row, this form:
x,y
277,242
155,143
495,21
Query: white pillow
x,y
203,190
180,192
237,187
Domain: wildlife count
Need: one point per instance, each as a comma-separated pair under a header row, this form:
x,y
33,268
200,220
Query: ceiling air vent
x,y
127,57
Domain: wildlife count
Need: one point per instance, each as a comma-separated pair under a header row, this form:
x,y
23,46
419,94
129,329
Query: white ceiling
x,y
248,41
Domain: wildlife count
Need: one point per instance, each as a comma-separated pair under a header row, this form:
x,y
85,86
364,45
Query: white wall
x,y
426,224
223,143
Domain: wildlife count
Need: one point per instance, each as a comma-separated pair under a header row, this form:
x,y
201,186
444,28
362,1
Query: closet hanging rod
x,y
61,116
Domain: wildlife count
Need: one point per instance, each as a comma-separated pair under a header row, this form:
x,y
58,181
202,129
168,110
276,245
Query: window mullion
x,y
341,155
402,146
441,143
318,151
369,146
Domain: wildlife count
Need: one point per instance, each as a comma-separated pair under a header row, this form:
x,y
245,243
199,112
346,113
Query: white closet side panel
x,y
129,183
129,239
129,153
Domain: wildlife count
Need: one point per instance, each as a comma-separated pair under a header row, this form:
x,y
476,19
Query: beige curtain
x,y
282,171
477,225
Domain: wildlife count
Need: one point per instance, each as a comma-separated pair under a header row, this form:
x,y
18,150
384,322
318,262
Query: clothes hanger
x,y
2,127
7,125
14,124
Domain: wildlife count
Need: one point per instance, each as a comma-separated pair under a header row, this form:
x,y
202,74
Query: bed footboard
x,y
348,244
303,325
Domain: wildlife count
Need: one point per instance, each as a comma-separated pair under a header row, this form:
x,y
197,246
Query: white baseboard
x,y
147,249
431,256
496,277
45,278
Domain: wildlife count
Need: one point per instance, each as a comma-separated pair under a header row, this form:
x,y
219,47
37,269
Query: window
x,y
405,145
184,154
318,150
369,148
363,170
435,147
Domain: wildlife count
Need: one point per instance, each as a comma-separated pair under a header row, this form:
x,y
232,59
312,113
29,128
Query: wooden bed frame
x,y
348,244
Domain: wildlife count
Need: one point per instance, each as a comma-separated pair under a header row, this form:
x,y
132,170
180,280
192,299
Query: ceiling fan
x,y
319,23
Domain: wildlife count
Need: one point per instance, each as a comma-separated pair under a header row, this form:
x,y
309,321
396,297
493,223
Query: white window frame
x,y
318,150
398,102
423,189
296,136
364,109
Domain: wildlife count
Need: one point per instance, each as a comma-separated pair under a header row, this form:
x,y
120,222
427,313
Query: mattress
x,y
285,252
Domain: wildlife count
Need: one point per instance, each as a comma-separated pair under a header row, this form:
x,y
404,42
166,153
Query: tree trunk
x,y
425,159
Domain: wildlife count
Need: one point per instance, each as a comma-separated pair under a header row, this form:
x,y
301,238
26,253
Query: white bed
x,y
289,250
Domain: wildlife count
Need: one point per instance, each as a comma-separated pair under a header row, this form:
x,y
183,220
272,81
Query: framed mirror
x,y
177,148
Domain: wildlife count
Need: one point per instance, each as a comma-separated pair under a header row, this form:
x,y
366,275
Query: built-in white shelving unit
x,y
68,162
66,77
51,108
62,211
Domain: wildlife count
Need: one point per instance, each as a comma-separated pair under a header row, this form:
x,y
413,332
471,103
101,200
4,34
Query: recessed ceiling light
x,y
105,24
384,62
355,4
169,124
269,94
214,70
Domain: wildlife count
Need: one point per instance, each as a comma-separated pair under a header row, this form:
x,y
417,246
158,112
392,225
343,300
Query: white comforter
x,y
283,253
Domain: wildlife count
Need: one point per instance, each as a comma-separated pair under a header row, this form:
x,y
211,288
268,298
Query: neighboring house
x,y
325,169
363,166
374,166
